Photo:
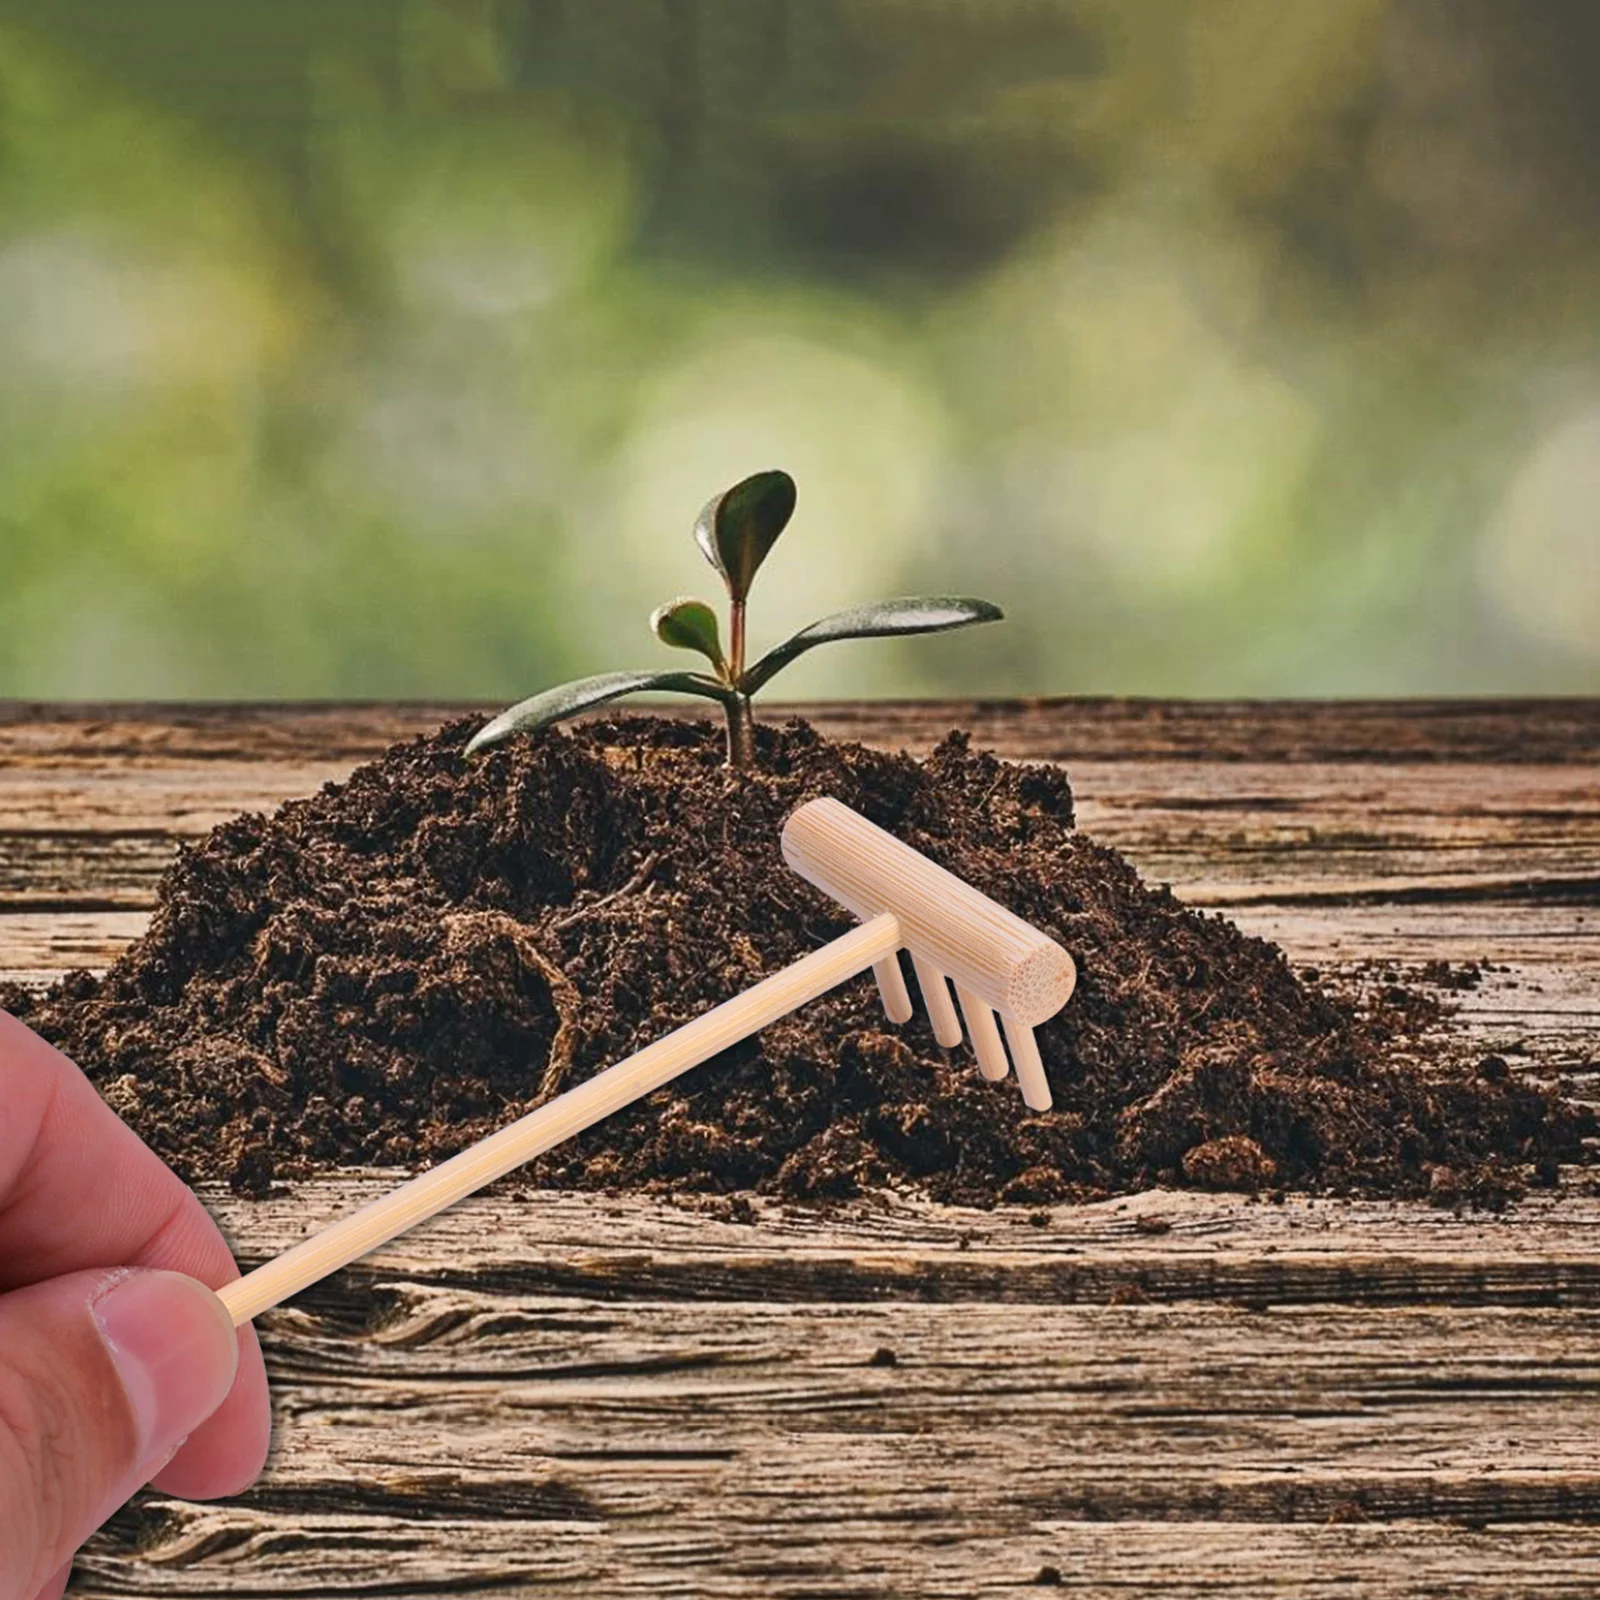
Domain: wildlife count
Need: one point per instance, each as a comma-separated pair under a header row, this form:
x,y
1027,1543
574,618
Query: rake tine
x,y
1030,1069
936,996
892,989
985,1035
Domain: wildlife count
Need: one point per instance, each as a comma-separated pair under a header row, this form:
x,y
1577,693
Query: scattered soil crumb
x,y
1489,1186
1234,1161
1346,1513
390,969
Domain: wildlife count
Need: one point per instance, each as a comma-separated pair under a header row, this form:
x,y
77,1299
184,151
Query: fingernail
x,y
175,1350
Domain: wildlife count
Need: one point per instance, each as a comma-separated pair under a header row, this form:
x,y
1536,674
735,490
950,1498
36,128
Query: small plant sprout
x,y
735,532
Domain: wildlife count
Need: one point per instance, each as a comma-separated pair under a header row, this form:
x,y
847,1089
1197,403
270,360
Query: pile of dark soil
x,y
387,971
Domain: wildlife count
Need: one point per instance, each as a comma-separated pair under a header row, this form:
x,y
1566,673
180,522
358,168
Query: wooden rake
x,y
1000,965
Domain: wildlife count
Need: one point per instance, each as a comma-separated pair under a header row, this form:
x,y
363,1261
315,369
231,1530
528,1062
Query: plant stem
x,y
741,732
741,720
736,639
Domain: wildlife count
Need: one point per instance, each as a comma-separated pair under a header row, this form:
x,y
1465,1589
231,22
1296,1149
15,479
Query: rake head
x,y
1001,966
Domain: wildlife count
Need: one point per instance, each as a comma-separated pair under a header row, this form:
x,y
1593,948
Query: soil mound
x,y
388,970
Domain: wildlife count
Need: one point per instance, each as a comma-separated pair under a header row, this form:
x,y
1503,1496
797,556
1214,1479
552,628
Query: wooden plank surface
x,y
1170,1393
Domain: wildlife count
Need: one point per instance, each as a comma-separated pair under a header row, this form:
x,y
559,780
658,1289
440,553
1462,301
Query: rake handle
x,y
374,1224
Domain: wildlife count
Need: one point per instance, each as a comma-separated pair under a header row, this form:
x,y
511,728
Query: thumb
x,y
102,1376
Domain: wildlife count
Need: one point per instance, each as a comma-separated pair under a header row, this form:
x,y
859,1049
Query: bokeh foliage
x,y
390,347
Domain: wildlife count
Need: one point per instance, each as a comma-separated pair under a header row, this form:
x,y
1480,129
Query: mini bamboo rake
x,y
1000,966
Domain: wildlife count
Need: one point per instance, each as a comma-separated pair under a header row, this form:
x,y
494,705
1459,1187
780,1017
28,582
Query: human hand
x,y
115,1371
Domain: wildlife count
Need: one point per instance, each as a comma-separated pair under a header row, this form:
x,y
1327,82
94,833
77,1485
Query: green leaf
x,y
688,624
737,529
567,699
925,614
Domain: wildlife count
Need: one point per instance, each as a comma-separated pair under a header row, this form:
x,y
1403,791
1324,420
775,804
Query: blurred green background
x,y
389,347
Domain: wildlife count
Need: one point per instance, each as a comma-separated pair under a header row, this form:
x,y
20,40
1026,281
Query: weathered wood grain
x,y
1190,1394
683,1405
858,1556
634,1396
1159,1247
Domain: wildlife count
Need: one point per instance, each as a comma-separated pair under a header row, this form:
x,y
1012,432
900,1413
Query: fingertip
x,y
228,1451
170,1343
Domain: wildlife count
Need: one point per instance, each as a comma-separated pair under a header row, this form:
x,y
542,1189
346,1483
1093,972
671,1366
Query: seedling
x,y
736,531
